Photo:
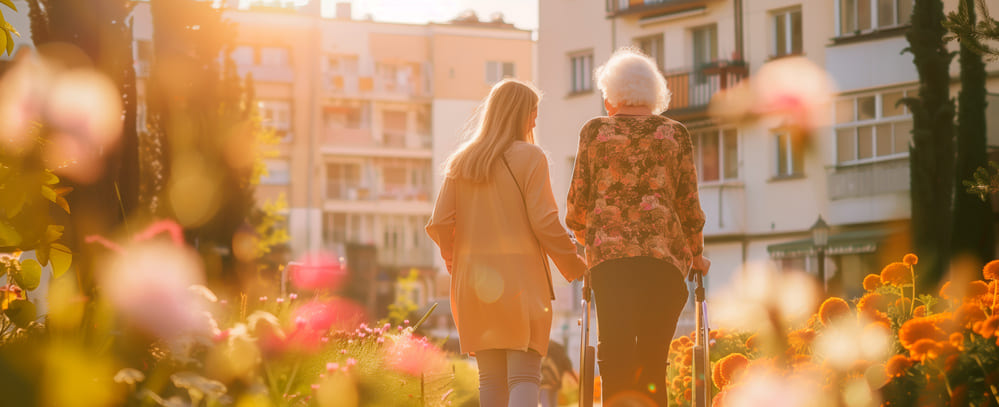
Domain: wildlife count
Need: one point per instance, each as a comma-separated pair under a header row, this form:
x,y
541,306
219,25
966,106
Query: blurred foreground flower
x,y
318,271
148,282
788,92
414,355
79,110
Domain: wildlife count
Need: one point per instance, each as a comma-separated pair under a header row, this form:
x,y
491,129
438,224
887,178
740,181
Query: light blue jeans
x,y
508,378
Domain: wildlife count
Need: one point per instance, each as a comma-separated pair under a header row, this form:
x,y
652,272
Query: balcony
x,y
692,89
355,86
864,180
651,8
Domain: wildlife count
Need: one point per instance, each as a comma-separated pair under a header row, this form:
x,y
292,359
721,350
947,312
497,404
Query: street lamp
x,y
820,238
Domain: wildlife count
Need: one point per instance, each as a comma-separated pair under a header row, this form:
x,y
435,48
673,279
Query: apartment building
x,y
761,189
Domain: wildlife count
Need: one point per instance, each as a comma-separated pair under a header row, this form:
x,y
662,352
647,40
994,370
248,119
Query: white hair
x,y
630,78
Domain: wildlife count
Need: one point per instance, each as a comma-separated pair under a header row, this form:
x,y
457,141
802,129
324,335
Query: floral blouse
x,y
634,191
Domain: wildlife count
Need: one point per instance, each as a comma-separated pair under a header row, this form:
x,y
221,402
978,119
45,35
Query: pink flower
x,y
330,367
317,271
316,318
351,361
412,356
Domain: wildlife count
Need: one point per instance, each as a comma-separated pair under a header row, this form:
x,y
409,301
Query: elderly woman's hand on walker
x,y
701,265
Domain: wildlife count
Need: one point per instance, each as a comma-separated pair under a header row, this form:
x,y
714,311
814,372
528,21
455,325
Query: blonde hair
x,y
630,78
501,119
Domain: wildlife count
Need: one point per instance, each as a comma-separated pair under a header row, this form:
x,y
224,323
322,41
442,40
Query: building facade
x,y
761,189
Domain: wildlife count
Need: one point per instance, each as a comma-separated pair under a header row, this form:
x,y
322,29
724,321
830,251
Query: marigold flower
x,y
945,291
801,338
968,314
832,309
688,359
728,368
976,289
896,273
988,327
910,259
920,311
897,365
917,329
991,270
956,339
872,282
923,349
903,303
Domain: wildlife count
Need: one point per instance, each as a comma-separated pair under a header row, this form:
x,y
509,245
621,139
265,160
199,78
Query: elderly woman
x,y
634,201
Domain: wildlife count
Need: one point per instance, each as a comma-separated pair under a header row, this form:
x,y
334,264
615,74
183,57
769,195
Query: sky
x,y
522,13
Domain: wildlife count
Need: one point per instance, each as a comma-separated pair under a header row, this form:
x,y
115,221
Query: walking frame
x,y
701,380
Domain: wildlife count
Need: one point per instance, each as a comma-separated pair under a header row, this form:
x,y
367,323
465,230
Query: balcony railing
x,y
693,89
617,8
356,85
864,180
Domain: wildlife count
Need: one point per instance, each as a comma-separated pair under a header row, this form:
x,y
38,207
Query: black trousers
x,y
639,300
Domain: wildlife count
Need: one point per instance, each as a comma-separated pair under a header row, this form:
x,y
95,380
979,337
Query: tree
x,y
201,123
973,220
975,34
102,30
931,156
7,37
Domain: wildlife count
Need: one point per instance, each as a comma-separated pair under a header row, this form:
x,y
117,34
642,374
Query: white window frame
x,y
879,119
786,49
787,137
655,50
698,162
497,70
581,65
278,172
276,109
875,18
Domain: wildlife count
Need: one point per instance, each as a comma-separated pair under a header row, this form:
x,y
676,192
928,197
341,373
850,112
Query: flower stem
x,y
991,387
912,305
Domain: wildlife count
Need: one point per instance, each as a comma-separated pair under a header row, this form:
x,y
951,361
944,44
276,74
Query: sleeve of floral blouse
x,y
578,202
442,222
688,204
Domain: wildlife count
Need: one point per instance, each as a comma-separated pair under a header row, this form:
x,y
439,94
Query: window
x,y
582,72
653,47
344,117
705,50
277,173
857,16
495,71
244,55
789,154
786,33
343,181
871,127
274,56
335,230
276,115
716,154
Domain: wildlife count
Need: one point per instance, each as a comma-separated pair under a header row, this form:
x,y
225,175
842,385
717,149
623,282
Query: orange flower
x,y
903,303
870,302
715,334
910,259
688,359
753,342
896,273
872,282
801,339
728,368
988,327
977,288
945,291
832,309
923,349
897,365
968,314
917,329
956,339
991,270
920,311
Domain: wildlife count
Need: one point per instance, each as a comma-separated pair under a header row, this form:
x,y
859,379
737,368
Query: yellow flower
x,y
896,273
910,259
833,308
991,270
872,282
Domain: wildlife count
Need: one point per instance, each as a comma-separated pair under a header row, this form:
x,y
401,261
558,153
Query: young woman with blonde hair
x,y
496,223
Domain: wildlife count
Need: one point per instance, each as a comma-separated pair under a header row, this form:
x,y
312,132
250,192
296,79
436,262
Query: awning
x,y
860,241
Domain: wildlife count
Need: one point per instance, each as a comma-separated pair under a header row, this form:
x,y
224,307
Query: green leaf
x,y
21,312
9,235
53,233
49,193
9,3
61,258
10,42
30,275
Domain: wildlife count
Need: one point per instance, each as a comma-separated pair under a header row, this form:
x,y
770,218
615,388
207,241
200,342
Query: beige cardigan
x,y
500,292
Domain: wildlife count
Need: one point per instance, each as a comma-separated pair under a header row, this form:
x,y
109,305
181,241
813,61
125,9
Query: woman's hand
x,y
701,264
